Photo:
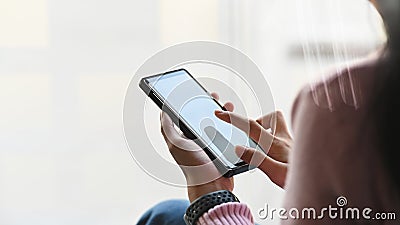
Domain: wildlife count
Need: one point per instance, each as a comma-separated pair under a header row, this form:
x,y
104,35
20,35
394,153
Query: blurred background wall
x,y
65,67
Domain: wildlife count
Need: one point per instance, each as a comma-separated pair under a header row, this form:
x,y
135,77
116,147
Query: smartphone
x,y
192,108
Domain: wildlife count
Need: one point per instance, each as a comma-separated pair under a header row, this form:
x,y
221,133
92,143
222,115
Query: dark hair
x,y
386,103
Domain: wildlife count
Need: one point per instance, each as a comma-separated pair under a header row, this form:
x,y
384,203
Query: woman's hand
x,y
201,174
277,143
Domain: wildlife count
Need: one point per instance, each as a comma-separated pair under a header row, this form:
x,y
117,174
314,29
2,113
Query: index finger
x,y
276,122
253,129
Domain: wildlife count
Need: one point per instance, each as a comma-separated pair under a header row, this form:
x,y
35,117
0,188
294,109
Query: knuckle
x,y
276,141
279,117
279,113
281,143
253,123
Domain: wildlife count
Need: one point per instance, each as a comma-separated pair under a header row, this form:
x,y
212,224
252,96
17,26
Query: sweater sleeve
x,y
232,213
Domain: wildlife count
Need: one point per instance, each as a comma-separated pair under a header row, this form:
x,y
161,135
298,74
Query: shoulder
x,y
346,89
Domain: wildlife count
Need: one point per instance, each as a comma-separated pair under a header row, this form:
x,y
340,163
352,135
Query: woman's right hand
x,y
277,143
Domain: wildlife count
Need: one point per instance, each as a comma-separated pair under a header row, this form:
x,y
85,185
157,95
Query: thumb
x,y
250,155
275,170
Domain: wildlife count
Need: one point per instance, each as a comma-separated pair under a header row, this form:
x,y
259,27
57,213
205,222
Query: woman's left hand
x,y
201,174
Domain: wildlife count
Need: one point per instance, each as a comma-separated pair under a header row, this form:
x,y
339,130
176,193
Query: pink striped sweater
x,y
232,213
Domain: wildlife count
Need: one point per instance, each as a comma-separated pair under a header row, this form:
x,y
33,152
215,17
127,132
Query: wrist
x,y
197,191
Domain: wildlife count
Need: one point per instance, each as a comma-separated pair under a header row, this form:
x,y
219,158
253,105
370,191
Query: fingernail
x,y
239,150
219,112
